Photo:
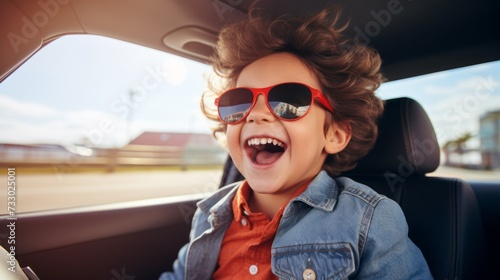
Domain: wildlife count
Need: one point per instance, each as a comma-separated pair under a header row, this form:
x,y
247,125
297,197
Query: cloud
x,y
456,108
175,71
468,86
15,108
30,123
460,114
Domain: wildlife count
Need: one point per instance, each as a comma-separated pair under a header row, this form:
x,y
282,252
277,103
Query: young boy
x,y
298,109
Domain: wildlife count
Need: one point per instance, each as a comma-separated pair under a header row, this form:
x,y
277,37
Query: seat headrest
x,y
406,143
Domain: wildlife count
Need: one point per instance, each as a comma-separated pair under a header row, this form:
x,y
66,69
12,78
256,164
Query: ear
x,y
337,137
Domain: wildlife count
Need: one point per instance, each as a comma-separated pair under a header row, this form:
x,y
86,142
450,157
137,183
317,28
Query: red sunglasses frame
x,y
315,94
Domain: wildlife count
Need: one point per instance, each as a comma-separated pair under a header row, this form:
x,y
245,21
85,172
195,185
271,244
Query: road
x,y
467,174
35,192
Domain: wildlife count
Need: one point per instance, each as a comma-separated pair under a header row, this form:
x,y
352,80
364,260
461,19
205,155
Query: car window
x,y
90,120
464,107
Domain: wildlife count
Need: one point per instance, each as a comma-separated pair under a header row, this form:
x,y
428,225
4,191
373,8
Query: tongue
x,y
264,157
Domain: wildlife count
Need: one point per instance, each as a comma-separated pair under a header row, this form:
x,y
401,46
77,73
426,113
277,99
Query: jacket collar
x,y
321,194
220,201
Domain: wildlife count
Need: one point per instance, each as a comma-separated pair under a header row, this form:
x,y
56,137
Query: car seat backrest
x,y
442,213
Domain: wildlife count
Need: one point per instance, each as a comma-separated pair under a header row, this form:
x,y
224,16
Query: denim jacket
x,y
336,229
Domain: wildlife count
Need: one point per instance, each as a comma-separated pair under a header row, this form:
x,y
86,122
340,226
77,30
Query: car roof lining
x,y
424,37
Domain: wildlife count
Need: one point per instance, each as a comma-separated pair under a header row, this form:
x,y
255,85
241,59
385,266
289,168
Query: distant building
x,y
174,139
489,133
38,154
148,149
178,148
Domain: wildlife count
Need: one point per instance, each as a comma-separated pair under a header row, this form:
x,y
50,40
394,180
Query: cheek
x,y
233,138
309,131
307,137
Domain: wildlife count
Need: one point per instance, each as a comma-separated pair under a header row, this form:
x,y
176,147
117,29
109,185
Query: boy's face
x,y
305,143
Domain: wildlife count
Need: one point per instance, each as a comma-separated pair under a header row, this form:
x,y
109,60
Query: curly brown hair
x,y
349,73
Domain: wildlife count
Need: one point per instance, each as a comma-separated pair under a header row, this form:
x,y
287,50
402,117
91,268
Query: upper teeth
x,y
263,141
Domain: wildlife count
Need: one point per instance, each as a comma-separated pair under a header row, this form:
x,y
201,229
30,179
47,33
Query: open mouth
x,y
264,150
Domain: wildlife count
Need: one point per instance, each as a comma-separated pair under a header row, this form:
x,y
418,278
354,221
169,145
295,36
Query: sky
x,y
102,89
108,92
455,99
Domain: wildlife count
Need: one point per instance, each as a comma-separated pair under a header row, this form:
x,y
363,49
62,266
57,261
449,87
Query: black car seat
x,y
442,213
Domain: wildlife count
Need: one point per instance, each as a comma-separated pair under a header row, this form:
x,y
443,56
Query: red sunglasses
x,y
288,101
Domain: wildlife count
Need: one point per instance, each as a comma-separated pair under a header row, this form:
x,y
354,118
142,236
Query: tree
x,y
456,146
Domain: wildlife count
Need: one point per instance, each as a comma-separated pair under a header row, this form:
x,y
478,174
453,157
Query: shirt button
x,y
253,269
309,274
244,222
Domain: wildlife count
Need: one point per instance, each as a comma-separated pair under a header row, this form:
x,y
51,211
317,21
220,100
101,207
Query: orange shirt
x,y
246,247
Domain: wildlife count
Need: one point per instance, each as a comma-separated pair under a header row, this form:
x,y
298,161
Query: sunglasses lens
x,y
290,101
234,104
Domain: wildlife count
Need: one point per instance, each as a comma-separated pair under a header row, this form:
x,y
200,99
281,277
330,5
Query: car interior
x,y
454,222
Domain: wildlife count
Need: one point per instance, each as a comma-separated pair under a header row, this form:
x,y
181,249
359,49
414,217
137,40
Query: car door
x,y
103,156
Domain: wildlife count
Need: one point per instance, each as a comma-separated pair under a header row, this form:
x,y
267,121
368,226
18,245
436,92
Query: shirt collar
x,y
240,201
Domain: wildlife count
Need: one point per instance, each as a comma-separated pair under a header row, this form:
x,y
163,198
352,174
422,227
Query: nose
x,y
260,112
